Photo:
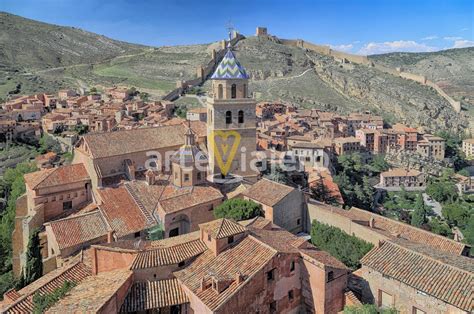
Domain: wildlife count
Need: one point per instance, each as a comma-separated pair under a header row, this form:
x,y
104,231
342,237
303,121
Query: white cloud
x,y
452,38
463,43
431,37
356,42
343,47
395,46
464,29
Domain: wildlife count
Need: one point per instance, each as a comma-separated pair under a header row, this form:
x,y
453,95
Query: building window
x,y
219,91
291,295
186,177
271,275
211,208
228,117
292,266
418,311
385,299
230,239
245,91
137,234
241,116
273,307
199,176
67,205
330,276
233,91
298,221
208,238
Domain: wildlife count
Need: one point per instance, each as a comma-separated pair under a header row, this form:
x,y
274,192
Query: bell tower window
x,y
228,117
233,92
241,116
220,91
245,91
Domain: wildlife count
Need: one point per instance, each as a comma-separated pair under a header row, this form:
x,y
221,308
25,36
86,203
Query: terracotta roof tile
x,y
445,281
79,229
168,255
122,212
74,272
222,228
93,293
190,197
57,176
400,172
246,259
153,295
267,192
393,229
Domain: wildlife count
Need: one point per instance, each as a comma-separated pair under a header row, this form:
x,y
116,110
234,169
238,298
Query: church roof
x,y
229,68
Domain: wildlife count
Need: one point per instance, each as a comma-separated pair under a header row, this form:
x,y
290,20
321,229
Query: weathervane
x,y
230,29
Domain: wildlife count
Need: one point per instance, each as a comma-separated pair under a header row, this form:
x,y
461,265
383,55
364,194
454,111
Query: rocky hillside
x,y
38,57
452,69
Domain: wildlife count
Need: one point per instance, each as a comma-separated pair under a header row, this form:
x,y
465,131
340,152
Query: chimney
x,y
456,236
110,236
94,260
203,284
372,222
150,177
238,277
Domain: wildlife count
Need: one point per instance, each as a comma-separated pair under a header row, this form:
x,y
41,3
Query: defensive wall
x,y
358,59
205,70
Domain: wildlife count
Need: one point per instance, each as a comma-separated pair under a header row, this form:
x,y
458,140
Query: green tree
x,y
367,309
439,227
346,248
34,265
322,193
418,217
442,191
238,209
81,129
49,144
468,232
458,213
278,174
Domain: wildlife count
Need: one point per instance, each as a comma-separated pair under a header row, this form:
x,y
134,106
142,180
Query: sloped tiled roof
x,y
450,282
153,295
122,212
229,68
79,229
57,176
93,293
267,192
246,258
393,229
194,196
222,228
169,255
137,140
74,272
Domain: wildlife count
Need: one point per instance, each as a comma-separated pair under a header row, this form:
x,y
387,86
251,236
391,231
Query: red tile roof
x,y
246,258
222,228
152,295
57,176
168,255
122,212
74,272
79,229
452,282
268,192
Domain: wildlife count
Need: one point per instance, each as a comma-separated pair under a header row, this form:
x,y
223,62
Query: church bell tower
x,y
231,120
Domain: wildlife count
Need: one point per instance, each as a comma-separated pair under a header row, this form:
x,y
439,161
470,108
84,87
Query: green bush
x,y
367,309
42,302
346,248
238,209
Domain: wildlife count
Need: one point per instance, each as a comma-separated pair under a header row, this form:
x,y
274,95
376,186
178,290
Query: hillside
x,y
452,69
68,57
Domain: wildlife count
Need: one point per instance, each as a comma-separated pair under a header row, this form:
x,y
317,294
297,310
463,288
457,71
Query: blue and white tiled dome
x,y
229,68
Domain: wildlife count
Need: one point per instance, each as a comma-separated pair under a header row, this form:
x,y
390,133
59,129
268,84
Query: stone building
x,y
231,119
224,267
283,205
311,155
413,278
468,148
431,146
346,145
394,179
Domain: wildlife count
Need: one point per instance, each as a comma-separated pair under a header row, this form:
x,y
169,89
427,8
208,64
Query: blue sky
x,y
361,26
